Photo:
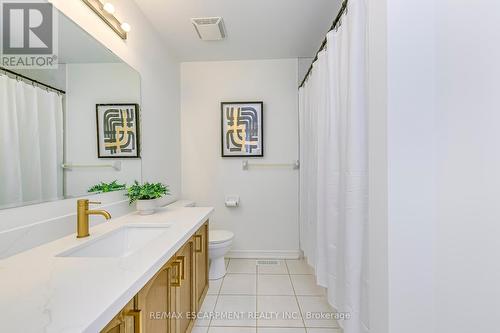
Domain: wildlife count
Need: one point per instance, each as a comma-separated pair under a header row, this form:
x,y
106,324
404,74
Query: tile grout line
x,y
217,298
296,298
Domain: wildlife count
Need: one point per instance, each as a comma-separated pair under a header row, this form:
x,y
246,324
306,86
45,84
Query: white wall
x,y
411,165
443,166
88,85
402,166
267,220
467,246
377,165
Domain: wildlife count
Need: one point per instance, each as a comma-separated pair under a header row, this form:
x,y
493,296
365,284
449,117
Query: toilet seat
x,y
219,236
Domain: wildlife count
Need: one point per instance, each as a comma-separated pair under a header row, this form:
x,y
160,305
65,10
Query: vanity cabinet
x,y
166,304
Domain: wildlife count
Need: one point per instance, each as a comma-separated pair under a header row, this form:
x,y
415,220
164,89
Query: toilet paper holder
x,y
232,201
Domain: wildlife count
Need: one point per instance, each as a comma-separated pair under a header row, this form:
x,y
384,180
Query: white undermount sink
x,y
121,242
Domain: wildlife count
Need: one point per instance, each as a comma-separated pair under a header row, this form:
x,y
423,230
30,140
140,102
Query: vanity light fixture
x,y
126,27
108,6
106,13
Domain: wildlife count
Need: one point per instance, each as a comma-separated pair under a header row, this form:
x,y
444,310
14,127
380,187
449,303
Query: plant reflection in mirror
x,y
107,187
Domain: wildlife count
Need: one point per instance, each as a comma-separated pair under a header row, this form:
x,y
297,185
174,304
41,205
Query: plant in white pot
x,y
146,196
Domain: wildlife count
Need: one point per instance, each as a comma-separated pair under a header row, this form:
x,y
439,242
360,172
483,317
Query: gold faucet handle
x,y
95,202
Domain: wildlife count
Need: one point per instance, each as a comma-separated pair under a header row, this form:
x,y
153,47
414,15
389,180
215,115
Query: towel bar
x,y
117,166
246,165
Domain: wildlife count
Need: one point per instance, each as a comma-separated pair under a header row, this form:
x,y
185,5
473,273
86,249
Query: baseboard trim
x,y
263,254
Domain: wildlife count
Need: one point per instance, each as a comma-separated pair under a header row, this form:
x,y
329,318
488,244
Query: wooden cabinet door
x,y
153,303
182,289
201,264
126,321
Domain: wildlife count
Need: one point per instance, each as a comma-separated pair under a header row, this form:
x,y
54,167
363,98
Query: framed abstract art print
x,y
118,130
242,129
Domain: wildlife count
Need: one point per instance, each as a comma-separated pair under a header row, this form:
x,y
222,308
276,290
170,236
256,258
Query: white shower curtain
x,y
31,143
334,168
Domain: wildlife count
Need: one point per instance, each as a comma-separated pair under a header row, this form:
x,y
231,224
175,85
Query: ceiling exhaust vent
x,y
209,28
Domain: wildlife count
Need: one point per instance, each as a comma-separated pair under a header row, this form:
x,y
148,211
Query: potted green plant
x,y
103,187
146,196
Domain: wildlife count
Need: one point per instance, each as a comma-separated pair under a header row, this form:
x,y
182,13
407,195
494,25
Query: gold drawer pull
x,y
196,237
176,282
181,259
136,314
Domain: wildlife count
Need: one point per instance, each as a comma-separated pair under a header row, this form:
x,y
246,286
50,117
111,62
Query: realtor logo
x,y
28,34
27,28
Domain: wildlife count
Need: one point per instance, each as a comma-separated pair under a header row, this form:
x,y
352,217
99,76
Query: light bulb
x,y
109,7
126,27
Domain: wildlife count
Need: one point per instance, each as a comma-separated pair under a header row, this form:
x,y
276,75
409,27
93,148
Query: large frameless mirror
x,y
71,130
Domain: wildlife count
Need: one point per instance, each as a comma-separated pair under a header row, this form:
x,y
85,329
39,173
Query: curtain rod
x,y
32,80
334,24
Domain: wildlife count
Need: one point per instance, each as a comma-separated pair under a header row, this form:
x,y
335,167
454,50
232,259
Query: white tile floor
x,y
285,293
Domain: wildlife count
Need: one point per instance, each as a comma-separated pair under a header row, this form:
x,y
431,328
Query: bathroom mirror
x,y
52,121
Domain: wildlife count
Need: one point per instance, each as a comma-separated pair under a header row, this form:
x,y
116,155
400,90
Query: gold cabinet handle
x,y
181,259
136,314
176,282
196,237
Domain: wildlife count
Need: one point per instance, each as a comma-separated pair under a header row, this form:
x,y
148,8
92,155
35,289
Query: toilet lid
x,y
219,236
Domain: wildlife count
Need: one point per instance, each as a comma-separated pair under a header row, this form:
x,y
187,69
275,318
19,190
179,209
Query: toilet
x,y
219,243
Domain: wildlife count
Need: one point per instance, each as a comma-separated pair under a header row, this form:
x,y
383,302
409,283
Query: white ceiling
x,y
256,29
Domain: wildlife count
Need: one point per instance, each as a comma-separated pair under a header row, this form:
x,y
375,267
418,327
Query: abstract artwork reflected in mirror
x,y
118,130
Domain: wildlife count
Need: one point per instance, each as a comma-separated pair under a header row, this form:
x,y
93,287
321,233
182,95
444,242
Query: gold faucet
x,y
83,213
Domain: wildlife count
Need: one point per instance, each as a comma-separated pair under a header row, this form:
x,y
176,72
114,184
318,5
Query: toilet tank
x,y
182,203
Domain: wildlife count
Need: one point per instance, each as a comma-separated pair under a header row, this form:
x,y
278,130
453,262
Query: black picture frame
x,y
261,129
137,131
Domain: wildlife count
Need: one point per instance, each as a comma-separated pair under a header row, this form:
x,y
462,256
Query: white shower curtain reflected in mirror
x,y
31,143
334,169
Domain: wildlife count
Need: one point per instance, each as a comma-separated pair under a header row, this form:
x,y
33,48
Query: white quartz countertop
x,y
40,292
